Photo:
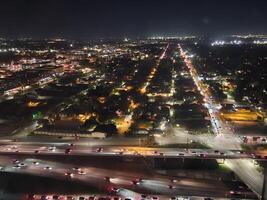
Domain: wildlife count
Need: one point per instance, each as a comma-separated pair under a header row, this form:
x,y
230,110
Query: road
x,y
63,149
9,196
122,183
224,133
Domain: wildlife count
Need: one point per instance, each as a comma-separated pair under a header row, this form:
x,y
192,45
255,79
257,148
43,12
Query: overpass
x,y
127,152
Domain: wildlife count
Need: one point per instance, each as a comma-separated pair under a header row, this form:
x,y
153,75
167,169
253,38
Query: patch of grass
x,y
223,168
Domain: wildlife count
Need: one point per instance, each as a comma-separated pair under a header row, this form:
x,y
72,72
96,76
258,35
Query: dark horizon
x,y
81,19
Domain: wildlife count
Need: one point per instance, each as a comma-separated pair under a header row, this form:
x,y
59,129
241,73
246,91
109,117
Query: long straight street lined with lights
x,y
247,172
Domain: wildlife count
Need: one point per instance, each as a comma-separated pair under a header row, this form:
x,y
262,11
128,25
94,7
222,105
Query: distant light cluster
x,y
260,42
250,36
10,50
222,42
238,42
170,38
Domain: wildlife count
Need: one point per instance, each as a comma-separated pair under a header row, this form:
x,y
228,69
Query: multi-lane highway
x,y
38,196
123,183
71,149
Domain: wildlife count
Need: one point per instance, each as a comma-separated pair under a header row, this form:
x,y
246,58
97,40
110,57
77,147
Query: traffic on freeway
x,y
125,184
75,150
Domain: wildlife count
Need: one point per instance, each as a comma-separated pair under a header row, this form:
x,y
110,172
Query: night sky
x,y
81,19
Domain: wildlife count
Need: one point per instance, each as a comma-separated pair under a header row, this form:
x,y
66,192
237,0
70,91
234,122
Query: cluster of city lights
x,y
10,50
260,42
221,42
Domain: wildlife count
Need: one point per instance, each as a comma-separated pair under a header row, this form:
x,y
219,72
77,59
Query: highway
x,y
64,149
124,183
9,196
225,137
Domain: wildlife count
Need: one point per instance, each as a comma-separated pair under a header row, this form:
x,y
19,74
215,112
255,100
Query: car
x,y
14,147
31,196
70,198
47,168
202,155
35,163
99,149
55,197
43,197
135,182
114,189
52,148
139,179
80,172
22,164
170,186
173,180
143,196
16,161
69,174
16,167
255,156
67,151
234,193
76,169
